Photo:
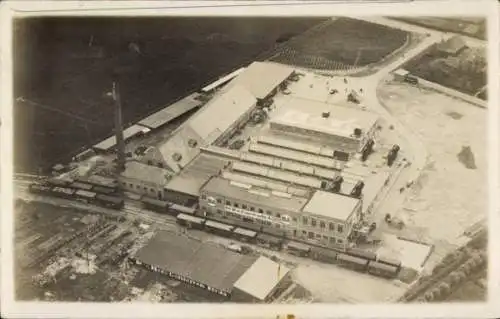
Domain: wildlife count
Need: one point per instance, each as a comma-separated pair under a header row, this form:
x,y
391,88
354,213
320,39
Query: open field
x,y
341,43
68,65
448,192
474,27
465,73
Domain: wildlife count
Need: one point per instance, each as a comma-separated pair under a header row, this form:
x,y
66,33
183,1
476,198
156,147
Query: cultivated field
x,y
465,73
452,190
474,27
340,44
68,65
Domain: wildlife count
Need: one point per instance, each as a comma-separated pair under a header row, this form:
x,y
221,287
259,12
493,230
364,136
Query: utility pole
x,y
120,144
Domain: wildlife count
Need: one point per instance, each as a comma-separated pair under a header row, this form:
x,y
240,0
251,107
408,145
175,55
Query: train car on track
x,y
389,261
245,235
382,270
298,249
351,262
156,205
39,189
268,241
356,252
323,255
80,185
180,209
219,228
190,221
85,196
110,184
110,201
58,182
63,192
104,190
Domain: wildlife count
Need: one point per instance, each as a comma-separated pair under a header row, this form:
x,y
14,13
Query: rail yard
x,y
323,169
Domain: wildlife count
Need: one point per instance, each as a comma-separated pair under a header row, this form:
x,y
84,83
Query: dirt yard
x,y
449,196
341,42
474,27
69,65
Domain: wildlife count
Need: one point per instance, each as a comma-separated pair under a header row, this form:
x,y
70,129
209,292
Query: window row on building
x,y
138,187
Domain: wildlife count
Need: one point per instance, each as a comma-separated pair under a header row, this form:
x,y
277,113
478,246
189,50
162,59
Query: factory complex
x,y
256,153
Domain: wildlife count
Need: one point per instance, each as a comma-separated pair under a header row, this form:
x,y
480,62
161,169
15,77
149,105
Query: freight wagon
x,y
190,221
298,249
110,201
156,205
85,196
63,192
382,270
351,262
40,189
80,185
179,209
323,255
219,228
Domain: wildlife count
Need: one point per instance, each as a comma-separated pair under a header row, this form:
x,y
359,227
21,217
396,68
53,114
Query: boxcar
x,y
63,192
110,201
39,189
58,182
323,255
155,205
85,196
269,241
382,270
190,221
219,228
356,252
80,185
389,261
110,184
244,234
352,262
179,209
104,190
298,249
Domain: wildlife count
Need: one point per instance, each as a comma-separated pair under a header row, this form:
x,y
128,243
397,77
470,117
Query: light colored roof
x,y
260,78
111,141
373,186
147,173
307,114
221,112
246,232
190,218
452,45
261,278
217,225
401,72
170,112
179,143
296,144
261,197
331,205
222,80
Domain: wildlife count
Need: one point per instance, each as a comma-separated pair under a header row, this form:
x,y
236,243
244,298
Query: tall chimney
x,y
120,143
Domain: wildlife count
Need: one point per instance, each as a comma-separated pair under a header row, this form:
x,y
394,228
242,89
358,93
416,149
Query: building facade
x,y
144,180
296,219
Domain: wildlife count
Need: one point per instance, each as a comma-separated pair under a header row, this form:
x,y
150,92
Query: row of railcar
x,y
83,184
378,267
165,207
82,195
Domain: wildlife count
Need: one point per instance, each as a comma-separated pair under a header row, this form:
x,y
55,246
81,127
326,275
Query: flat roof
x,y
111,141
261,278
245,232
260,78
331,205
401,72
190,218
217,225
252,194
307,114
147,173
170,112
207,263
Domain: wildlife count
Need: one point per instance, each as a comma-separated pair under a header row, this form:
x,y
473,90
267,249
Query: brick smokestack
x,y
120,143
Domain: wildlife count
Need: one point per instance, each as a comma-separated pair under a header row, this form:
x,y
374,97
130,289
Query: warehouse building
x,y
324,218
342,128
210,267
144,179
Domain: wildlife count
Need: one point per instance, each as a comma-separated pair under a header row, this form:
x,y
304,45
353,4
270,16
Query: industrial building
x,y
213,268
289,173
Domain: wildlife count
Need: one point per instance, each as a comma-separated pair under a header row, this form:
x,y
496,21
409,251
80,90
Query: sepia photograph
x,y
330,159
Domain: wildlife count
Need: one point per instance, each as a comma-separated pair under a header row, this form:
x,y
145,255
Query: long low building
x,y
110,142
213,268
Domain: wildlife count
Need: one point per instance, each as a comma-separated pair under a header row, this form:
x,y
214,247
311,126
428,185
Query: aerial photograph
x,y
250,160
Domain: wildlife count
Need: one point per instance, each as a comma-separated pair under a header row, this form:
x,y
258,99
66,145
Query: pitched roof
x,y
261,278
260,78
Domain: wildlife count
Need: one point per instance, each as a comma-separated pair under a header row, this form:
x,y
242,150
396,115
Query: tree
x,y
444,289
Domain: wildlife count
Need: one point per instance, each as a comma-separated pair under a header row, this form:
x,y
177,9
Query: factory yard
x,y
454,134
339,44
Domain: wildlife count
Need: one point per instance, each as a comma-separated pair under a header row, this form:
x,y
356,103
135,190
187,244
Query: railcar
x,y
110,201
156,205
382,270
351,262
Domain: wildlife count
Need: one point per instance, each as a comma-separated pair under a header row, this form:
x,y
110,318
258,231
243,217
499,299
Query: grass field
x,y
341,43
474,27
465,73
69,65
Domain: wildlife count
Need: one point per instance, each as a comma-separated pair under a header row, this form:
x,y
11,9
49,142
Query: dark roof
x,y
206,263
453,45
